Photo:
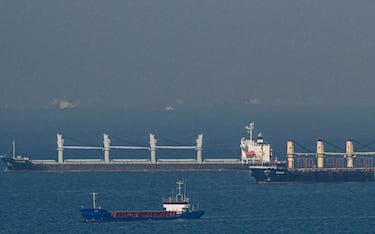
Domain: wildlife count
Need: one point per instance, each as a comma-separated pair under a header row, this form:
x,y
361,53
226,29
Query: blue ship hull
x,y
101,215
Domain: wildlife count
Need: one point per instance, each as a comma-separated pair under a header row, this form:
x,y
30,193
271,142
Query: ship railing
x,y
130,147
304,154
130,161
334,169
224,160
177,161
83,147
176,147
43,161
334,153
87,161
364,153
262,167
172,201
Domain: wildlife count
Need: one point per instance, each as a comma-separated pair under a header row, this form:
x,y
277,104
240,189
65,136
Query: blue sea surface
x,y
50,202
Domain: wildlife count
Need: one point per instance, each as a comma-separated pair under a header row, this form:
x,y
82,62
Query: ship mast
x,y
179,195
94,200
250,130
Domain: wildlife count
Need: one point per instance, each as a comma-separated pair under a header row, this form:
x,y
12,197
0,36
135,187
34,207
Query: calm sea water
x,y
50,202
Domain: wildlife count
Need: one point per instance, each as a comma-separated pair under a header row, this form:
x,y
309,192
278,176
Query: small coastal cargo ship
x,y
177,207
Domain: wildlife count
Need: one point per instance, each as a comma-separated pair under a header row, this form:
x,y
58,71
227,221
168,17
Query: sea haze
x,y
35,131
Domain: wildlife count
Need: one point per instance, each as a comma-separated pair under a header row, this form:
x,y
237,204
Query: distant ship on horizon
x,y
169,108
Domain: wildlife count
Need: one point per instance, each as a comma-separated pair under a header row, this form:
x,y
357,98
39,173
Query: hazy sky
x,y
151,54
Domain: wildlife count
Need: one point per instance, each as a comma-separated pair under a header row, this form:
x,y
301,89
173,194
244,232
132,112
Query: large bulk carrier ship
x,y
250,154
319,166
177,207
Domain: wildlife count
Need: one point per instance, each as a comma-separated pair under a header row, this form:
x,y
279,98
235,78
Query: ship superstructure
x,y
255,151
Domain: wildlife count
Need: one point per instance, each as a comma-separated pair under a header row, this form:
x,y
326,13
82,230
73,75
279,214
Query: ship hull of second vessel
x,y
272,174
